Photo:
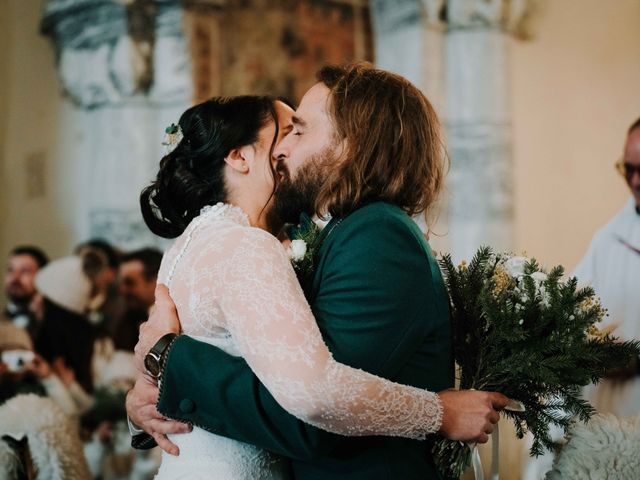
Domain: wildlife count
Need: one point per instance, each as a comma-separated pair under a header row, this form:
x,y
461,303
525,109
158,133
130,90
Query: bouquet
x,y
529,335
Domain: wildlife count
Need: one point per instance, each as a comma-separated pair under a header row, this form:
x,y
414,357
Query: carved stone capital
x,y
508,15
118,51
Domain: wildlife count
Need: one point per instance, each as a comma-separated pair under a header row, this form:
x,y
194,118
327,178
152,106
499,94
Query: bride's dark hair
x,y
192,175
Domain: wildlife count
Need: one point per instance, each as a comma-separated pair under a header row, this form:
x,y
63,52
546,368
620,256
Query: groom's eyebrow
x,y
298,121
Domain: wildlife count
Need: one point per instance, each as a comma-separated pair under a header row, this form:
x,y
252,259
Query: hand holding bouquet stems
x,y
470,415
529,335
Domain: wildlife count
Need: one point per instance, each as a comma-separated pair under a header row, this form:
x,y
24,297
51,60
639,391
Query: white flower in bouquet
x,y
515,266
539,278
297,250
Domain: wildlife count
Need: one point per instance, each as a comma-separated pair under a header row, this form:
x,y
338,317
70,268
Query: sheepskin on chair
x,y
606,448
54,444
10,466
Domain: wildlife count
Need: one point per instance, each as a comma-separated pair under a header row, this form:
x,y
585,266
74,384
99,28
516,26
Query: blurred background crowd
x,y
68,333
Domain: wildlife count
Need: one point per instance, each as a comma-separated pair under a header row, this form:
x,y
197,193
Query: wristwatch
x,y
154,360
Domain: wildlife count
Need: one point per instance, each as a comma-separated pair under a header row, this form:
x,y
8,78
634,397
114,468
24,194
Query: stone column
x,y
457,52
125,67
410,43
478,121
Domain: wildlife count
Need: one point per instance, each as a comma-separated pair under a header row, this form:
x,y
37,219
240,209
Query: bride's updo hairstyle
x,y
192,175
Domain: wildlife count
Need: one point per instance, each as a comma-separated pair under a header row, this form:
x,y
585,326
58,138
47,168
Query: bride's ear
x,y
238,159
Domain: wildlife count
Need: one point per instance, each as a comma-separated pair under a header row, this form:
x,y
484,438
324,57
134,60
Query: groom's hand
x,y
470,415
141,409
163,319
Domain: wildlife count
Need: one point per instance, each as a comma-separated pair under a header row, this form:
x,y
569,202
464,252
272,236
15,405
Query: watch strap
x,y
157,353
161,345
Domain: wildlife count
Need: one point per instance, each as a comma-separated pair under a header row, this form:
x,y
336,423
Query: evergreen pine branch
x,y
532,340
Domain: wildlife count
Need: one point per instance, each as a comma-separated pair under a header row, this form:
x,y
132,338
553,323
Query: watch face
x,y
152,366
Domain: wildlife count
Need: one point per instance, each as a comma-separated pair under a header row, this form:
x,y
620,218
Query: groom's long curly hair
x,y
395,151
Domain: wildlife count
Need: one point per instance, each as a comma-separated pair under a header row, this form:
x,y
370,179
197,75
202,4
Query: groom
x,y
364,147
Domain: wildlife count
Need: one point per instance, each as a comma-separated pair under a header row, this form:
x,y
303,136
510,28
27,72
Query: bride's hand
x,y
141,409
163,319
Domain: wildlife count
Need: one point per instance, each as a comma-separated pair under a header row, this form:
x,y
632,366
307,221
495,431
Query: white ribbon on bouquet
x,y
478,472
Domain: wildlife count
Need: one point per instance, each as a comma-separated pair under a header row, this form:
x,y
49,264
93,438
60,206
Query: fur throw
x,y
606,448
54,444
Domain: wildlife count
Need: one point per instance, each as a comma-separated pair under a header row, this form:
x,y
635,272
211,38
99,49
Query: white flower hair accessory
x,y
172,137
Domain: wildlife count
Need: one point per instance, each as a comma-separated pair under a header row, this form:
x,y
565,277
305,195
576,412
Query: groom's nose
x,y
281,152
278,153
277,159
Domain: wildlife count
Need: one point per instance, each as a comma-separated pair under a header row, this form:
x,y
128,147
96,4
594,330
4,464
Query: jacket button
x,y
187,405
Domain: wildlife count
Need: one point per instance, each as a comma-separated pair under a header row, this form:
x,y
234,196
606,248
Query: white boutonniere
x,y
304,243
297,250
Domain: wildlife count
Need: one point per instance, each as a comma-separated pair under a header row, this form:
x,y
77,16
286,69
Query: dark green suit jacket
x,y
380,302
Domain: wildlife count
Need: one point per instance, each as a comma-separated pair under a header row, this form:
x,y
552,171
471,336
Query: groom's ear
x,y
238,160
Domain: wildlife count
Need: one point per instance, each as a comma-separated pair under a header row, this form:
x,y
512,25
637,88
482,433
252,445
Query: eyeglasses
x,y
626,169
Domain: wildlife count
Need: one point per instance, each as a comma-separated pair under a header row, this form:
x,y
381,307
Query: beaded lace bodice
x,y
230,280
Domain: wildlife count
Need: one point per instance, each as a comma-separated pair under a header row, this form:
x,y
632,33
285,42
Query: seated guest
x,y
137,274
106,305
22,266
24,371
38,436
67,286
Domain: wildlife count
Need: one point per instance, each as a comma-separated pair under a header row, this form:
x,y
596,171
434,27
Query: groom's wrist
x,y
165,357
155,359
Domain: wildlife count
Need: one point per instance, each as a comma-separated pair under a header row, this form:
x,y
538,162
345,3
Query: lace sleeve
x,y
266,313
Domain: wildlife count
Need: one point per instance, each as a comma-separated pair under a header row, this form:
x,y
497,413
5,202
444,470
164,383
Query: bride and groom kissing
x,y
246,376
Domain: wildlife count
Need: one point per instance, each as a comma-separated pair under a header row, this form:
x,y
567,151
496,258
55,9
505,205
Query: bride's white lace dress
x,y
234,287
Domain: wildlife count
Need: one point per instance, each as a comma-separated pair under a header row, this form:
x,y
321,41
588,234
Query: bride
x,y
234,287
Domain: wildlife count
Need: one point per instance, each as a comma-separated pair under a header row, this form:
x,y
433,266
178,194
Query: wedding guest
x,y
612,266
19,287
67,285
107,445
38,415
30,373
106,305
137,277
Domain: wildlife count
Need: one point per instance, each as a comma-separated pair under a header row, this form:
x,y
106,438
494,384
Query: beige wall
x,y
4,100
30,126
576,88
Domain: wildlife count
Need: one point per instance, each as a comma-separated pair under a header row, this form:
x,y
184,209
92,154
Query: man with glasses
x,y
612,267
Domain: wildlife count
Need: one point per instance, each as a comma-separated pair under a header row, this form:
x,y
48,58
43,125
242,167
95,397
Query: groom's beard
x,y
298,195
